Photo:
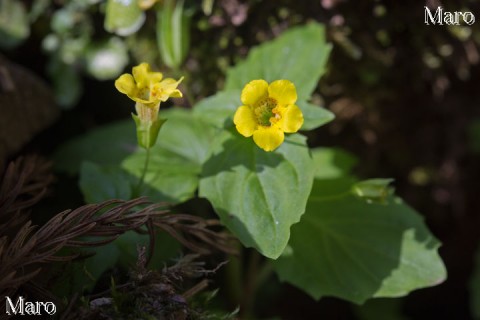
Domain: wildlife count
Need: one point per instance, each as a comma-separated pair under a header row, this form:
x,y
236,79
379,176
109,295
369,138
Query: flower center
x,y
265,111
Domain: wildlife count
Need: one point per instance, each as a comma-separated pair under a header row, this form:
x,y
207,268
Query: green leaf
x,y
100,183
123,17
314,116
298,55
373,189
348,248
332,163
173,32
258,195
218,110
107,145
176,160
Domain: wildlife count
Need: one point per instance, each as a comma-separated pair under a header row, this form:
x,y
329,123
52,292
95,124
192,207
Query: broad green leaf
x,y
298,55
258,195
123,17
100,183
314,116
107,145
348,248
219,109
332,163
176,160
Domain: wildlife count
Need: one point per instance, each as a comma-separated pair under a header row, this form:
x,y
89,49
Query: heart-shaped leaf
x,y
258,195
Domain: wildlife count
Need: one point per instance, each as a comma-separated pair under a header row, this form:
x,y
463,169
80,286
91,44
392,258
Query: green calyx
x,y
147,130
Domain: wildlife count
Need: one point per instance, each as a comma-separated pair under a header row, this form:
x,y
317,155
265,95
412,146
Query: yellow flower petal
x,y
254,91
292,119
155,77
283,91
141,74
268,138
176,94
245,121
125,84
167,88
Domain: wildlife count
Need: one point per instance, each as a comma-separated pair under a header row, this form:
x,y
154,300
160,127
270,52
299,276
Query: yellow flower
x,y
147,87
267,112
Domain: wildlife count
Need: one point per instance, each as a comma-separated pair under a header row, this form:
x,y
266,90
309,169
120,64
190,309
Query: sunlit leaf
x,y
219,109
332,163
298,55
314,116
258,195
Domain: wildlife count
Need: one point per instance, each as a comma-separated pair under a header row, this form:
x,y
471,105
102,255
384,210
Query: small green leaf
x,y
298,55
314,116
373,189
258,195
123,17
218,110
348,248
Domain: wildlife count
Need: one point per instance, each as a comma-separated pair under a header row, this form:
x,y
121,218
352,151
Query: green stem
x,y
138,189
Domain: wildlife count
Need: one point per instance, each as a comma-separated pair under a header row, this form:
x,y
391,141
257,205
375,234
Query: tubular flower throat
x,y
147,89
267,112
